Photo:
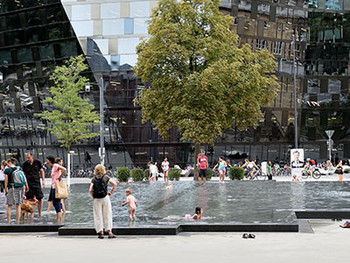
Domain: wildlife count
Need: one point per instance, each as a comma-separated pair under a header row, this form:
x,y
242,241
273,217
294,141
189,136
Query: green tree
x,y
200,79
71,115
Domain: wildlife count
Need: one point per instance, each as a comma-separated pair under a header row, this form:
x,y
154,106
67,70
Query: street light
x,y
295,95
102,149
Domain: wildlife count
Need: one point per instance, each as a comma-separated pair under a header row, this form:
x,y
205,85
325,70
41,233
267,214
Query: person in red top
x,y
202,162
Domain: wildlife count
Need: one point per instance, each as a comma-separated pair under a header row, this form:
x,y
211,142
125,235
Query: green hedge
x,y
137,174
174,174
209,174
123,174
146,174
236,173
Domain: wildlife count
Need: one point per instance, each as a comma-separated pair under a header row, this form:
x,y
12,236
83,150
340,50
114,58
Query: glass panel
x,y
128,26
113,27
102,45
128,59
110,10
5,57
46,52
140,25
24,54
68,49
140,9
83,28
127,45
81,12
334,86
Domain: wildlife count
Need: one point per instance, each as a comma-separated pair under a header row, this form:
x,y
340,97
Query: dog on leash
x,y
28,207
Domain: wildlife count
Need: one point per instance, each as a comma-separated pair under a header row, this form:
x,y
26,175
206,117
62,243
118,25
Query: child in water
x,y
131,201
295,178
197,215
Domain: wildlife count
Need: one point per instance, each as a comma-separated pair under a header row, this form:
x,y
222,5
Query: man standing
x,y
202,162
33,169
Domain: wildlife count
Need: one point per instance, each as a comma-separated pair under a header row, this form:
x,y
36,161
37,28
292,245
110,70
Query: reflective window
x,y
24,54
46,52
140,25
113,27
68,48
83,28
81,12
127,45
140,9
5,57
55,14
110,10
14,38
334,86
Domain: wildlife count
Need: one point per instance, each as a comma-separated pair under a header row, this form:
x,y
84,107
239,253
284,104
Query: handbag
x,y
61,190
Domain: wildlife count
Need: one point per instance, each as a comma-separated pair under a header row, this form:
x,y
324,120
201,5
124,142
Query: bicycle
x,y
306,173
254,175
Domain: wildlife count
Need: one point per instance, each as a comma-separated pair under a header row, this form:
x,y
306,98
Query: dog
x,y
27,207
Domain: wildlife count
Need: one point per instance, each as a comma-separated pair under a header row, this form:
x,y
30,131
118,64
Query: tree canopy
x,y
200,79
71,115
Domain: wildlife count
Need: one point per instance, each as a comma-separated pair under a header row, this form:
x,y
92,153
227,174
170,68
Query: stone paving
x,y
328,243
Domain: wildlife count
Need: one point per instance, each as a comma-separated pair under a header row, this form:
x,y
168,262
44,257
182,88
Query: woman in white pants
x,y
102,203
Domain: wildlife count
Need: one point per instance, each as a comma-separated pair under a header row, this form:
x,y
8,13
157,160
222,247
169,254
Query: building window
x,y
278,48
279,26
266,25
265,44
258,44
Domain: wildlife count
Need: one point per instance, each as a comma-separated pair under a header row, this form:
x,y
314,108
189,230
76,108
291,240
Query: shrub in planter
x,y
236,173
174,174
209,173
137,174
123,174
146,174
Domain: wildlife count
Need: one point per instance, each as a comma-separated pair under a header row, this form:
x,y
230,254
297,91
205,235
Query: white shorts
x,y
154,174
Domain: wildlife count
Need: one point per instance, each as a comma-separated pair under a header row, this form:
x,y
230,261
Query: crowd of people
x,y
23,185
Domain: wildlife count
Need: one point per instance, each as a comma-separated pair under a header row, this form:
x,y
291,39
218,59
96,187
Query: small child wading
x,y
131,202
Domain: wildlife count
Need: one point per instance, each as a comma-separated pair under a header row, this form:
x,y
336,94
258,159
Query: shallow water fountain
x,y
224,203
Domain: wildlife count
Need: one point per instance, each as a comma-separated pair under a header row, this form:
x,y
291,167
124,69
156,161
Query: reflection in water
x,y
228,202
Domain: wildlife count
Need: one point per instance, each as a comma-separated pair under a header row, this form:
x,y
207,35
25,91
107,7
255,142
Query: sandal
x,y
251,236
111,235
100,235
245,235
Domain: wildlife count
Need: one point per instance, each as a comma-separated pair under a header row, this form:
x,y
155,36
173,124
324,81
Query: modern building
x,y
36,35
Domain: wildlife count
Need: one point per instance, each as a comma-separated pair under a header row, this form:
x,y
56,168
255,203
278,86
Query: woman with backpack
x,y
14,188
102,203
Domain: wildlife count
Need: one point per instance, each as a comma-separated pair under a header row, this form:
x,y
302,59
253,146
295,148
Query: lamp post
x,y
102,150
295,95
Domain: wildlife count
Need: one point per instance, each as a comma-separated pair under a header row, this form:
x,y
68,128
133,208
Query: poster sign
x,y
297,158
297,161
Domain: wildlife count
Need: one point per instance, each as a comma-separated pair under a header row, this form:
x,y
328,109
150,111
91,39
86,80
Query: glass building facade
x,y
37,35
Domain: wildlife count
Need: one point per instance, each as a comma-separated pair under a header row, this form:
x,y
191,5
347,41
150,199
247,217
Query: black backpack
x,y
99,190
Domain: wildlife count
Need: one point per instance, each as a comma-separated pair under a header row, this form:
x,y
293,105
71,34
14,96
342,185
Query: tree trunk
x,y
196,169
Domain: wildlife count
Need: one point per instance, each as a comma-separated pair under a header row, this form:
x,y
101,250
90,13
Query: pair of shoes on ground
x,y
110,235
245,235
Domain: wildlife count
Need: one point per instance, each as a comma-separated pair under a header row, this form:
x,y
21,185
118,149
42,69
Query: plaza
x,y
296,112
327,243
